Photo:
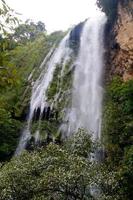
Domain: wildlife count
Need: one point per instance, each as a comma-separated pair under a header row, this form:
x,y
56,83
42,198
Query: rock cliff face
x,y
121,46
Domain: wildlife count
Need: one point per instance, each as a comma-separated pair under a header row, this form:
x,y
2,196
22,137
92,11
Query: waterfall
x,y
39,98
86,111
87,91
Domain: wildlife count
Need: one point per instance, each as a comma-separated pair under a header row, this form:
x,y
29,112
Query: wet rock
x,y
36,114
74,40
115,46
44,114
48,113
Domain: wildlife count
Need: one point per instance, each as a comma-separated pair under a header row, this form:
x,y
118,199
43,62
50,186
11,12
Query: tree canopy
x,y
28,31
57,172
8,17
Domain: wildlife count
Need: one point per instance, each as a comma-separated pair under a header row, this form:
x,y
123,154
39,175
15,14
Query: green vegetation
x,y
8,18
118,132
21,53
15,87
56,173
53,88
9,133
47,128
61,84
28,31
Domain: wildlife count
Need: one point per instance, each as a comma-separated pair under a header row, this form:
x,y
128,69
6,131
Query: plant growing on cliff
x,y
118,132
119,106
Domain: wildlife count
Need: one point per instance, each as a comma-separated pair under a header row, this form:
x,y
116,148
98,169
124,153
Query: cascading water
x,y
87,91
39,97
86,111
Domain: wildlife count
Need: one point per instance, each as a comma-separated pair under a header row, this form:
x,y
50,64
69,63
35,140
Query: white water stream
x,y
86,111
39,97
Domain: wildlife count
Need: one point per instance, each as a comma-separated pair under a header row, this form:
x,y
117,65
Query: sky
x,y
56,14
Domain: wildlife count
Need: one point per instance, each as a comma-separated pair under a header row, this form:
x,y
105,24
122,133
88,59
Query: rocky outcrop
x,y
74,39
121,46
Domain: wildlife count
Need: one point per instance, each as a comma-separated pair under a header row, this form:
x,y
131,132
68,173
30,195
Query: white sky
x,y
56,14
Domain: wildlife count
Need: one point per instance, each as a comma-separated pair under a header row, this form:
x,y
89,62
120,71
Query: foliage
x,y
47,128
53,88
28,31
119,106
126,174
9,132
7,18
54,173
80,144
55,36
118,131
59,91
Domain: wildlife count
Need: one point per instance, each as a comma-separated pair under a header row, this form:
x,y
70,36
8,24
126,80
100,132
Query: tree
x,y
55,173
28,31
7,18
